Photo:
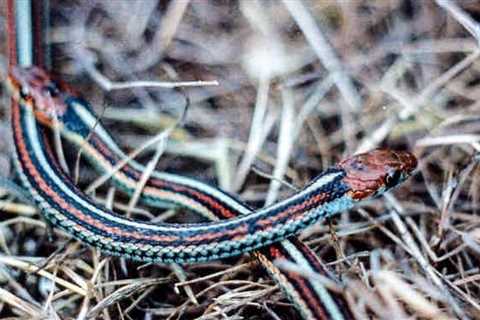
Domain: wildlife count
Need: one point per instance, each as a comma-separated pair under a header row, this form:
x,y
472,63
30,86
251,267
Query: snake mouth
x,y
368,174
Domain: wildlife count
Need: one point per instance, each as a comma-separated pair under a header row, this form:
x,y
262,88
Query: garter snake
x,y
62,203
310,297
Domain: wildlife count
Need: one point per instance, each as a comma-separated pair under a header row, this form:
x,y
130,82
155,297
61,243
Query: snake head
x,y
33,87
372,173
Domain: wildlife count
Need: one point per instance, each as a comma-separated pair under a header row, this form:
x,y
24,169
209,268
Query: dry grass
x,y
300,86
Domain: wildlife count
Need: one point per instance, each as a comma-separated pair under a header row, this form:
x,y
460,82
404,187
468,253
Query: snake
x,y
312,300
339,188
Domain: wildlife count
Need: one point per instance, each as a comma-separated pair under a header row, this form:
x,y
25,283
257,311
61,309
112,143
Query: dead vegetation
x,y
300,85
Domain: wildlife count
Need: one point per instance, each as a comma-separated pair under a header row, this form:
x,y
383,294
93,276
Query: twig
x,y
462,17
109,85
325,52
284,145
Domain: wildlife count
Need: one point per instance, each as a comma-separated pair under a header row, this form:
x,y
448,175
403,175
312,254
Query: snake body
x,y
62,203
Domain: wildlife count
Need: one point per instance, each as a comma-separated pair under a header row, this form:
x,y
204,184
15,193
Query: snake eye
x,y
24,93
392,179
52,89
